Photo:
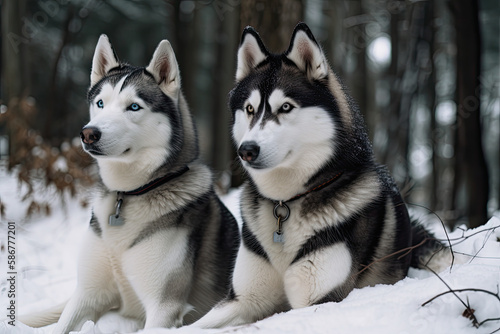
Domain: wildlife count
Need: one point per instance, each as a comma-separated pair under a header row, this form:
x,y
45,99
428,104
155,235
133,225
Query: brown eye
x,y
249,109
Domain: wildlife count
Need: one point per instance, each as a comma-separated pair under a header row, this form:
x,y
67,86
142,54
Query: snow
x,y
48,246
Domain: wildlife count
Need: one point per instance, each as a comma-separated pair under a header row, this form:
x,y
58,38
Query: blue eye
x,y
286,107
134,107
100,104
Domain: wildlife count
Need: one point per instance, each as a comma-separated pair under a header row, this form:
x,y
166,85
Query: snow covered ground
x,y
47,248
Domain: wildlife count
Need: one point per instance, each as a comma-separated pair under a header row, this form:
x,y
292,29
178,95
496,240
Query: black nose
x,y
90,135
249,151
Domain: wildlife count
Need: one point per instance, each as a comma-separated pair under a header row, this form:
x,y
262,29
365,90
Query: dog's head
x,y
290,111
133,110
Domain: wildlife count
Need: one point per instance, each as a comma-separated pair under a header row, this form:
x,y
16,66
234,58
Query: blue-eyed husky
x,y
160,242
320,217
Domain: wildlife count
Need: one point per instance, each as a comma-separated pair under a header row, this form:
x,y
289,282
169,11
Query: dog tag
x,y
278,237
115,219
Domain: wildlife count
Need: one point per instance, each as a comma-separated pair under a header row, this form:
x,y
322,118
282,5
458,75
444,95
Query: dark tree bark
x,y
223,75
184,32
396,71
428,89
273,19
404,89
208,102
14,43
356,42
15,80
471,168
55,109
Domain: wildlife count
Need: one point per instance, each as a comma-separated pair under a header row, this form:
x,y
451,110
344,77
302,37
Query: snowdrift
x,y
46,249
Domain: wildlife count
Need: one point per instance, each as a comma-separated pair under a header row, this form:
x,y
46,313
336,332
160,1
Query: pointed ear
x,y
251,53
104,60
306,53
165,70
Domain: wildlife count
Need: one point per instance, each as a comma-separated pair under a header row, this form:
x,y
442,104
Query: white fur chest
x,y
135,213
305,221
296,230
139,211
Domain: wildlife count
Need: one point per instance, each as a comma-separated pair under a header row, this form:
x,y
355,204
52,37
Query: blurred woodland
x,y
425,74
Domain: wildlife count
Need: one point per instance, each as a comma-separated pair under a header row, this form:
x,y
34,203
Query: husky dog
x,y
320,217
160,242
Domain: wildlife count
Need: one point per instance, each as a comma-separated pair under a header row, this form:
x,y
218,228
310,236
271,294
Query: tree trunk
x,y
470,161
15,83
429,89
13,50
404,91
273,19
223,75
396,70
56,110
185,38
356,42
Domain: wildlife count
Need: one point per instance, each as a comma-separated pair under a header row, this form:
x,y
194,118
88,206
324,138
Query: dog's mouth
x,y
254,165
96,151
92,149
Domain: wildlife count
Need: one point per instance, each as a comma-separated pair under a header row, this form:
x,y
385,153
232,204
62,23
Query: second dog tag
x,y
278,237
115,219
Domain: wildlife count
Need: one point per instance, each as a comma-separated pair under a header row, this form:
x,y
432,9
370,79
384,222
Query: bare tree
x,y
406,72
275,19
13,49
56,109
355,36
15,82
471,169
223,74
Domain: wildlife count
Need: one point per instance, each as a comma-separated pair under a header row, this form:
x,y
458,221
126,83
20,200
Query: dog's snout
x,y
90,135
249,151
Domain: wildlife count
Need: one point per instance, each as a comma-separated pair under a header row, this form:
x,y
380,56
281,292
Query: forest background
x,y
425,73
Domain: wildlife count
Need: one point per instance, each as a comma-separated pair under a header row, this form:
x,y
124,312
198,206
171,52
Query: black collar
x,y
155,183
115,219
318,187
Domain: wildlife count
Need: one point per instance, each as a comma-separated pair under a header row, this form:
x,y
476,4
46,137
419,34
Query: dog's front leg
x,y
324,275
258,293
160,271
96,290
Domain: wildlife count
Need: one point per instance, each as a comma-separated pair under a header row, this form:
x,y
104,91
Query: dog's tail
x,y
428,252
43,318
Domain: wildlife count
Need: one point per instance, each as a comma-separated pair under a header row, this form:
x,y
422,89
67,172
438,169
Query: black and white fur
x,y
296,128
171,260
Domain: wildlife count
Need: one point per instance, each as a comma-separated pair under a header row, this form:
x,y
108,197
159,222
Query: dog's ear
x,y
306,53
104,60
165,70
251,52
